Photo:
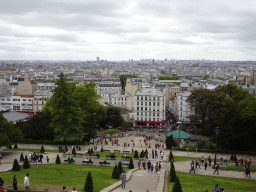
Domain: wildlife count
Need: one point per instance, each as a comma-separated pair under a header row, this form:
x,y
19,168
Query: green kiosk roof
x,y
178,134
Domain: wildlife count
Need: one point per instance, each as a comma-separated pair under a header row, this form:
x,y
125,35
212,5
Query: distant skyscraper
x,y
97,59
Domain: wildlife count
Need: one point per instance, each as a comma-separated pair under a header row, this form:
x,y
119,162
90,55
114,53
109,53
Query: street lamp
x,y
216,131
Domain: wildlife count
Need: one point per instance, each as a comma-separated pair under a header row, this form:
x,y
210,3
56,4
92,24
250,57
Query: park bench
x,y
104,163
95,155
81,153
111,156
106,150
69,161
126,151
117,151
87,162
126,158
125,164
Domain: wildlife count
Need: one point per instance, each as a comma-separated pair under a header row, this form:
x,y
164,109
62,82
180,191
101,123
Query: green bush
x,y
79,148
231,157
177,186
202,144
74,151
58,160
101,150
15,146
172,173
120,167
136,154
170,156
88,186
115,173
26,164
21,157
92,150
15,166
66,148
89,151
170,142
111,131
52,142
10,146
131,166
42,149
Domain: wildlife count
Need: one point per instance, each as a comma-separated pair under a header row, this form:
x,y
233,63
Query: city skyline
x,y
113,30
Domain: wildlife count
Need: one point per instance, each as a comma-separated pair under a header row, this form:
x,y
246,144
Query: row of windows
x,y
147,114
148,103
110,85
16,99
119,99
147,119
43,87
148,98
146,109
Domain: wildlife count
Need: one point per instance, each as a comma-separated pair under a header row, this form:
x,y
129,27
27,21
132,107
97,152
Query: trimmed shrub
x,y
88,186
58,160
79,148
115,173
66,148
74,151
172,173
10,146
21,157
26,164
171,156
92,150
120,167
15,146
231,157
177,186
101,150
146,151
235,157
131,166
15,166
111,131
142,154
136,154
89,151
42,149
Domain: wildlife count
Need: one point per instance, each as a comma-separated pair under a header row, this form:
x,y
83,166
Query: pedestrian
x,y
74,189
123,176
156,167
187,149
14,183
216,169
192,167
1,185
210,161
64,189
139,162
205,165
1,157
47,159
26,182
152,168
149,165
247,171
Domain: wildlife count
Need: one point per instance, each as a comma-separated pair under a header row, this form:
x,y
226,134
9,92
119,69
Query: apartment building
x,y
40,100
182,108
170,92
149,108
111,85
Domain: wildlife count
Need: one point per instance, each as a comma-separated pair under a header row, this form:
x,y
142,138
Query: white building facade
x,y
182,108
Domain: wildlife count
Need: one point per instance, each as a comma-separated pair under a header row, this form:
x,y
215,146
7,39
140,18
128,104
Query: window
x,y
8,99
154,119
138,98
149,108
149,118
29,100
157,114
138,118
145,113
138,108
153,103
154,114
141,108
149,113
16,107
141,113
2,99
149,103
146,108
145,103
145,118
157,103
154,98
42,103
138,103
138,113
141,103
146,98
141,97
24,99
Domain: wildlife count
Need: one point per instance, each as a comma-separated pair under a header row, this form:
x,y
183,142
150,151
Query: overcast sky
x,y
127,29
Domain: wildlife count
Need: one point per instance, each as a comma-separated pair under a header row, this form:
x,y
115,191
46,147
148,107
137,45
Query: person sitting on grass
x,y
216,188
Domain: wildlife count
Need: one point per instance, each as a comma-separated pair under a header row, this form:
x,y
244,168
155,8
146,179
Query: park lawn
x,y
118,155
33,150
197,183
182,158
53,177
238,168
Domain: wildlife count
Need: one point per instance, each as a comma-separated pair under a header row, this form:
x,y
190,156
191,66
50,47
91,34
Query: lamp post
x,y
216,131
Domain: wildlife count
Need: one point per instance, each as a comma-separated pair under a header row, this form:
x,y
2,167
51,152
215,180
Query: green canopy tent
x,y
178,134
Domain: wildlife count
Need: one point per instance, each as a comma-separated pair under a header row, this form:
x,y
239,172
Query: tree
x,y
206,77
170,156
177,186
114,118
58,160
168,78
120,167
93,112
170,142
136,154
66,113
207,105
123,80
15,166
131,166
42,149
15,146
74,151
37,128
88,187
172,173
9,133
115,173
26,164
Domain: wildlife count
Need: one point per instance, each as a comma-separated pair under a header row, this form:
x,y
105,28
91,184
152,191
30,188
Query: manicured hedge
x,y
30,141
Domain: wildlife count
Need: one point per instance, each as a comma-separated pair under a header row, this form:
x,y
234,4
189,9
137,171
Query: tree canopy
x,y
168,78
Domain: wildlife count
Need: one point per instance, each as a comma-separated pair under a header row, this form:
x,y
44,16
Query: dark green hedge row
x,y
218,151
51,142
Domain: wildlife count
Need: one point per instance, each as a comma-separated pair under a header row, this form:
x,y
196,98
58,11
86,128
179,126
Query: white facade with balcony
x,y
182,108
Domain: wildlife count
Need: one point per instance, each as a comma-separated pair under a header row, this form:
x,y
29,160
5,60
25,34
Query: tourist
x,y
74,189
216,188
192,167
139,162
47,159
14,183
1,157
205,165
26,182
1,185
152,168
149,165
216,169
123,176
156,167
64,189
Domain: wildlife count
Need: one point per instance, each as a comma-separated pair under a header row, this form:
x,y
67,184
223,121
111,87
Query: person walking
x,y
26,182
139,162
1,157
192,167
123,176
14,183
149,166
205,165
216,169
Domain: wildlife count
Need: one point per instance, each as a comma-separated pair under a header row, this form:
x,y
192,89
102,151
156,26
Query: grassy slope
x,y
54,177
